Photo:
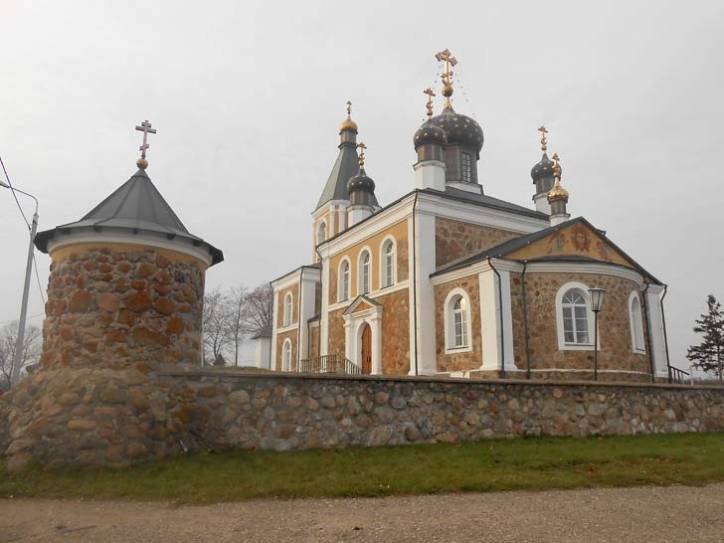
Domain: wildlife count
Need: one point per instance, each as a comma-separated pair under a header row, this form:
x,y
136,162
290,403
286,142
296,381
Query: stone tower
x,y
125,301
126,283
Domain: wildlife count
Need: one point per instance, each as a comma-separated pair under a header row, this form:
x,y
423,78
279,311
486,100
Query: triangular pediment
x,y
578,240
361,303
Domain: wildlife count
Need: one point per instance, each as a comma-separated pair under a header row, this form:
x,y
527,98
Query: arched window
x,y
343,281
287,320
287,355
388,264
637,324
322,232
364,273
467,167
457,321
575,316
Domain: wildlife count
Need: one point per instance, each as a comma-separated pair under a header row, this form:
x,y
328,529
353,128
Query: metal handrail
x,y
678,375
329,363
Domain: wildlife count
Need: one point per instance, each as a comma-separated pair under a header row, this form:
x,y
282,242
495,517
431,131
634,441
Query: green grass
x,y
532,464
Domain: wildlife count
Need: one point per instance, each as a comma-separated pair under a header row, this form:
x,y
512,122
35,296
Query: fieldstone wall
x,y
615,350
458,239
101,416
112,306
395,332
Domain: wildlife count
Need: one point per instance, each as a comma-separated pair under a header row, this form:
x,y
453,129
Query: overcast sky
x,y
247,98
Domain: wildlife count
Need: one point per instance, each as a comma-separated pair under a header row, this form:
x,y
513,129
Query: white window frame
x,y
343,296
321,227
287,355
562,345
638,338
288,309
388,280
449,324
361,271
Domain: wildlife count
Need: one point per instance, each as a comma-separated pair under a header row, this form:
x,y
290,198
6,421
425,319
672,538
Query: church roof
x,y
345,167
136,206
513,245
488,201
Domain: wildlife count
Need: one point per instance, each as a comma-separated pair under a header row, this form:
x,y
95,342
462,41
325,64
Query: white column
x,y
350,347
324,317
275,313
307,288
656,330
375,323
498,352
425,318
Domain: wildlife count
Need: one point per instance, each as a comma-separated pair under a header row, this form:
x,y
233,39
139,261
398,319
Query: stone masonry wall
x,y
469,360
615,351
457,239
110,306
395,332
100,416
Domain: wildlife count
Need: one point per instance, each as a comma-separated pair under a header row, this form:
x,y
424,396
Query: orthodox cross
x,y
362,148
543,140
349,109
430,93
447,86
146,129
556,168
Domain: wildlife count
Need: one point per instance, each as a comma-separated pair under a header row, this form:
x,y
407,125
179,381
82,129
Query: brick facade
x,y
457,239
294,291
281,338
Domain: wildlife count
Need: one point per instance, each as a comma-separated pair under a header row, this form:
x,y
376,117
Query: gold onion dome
x,y
557,192
348,123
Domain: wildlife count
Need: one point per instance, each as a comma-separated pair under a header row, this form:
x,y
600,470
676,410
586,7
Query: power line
x,y
20,208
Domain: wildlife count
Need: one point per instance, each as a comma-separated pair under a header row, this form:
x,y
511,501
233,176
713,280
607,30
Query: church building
x,y
449,280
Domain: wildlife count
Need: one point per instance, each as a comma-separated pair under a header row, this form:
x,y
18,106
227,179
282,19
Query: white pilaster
x,y
275,313
324,317
656,330
497,320
425,318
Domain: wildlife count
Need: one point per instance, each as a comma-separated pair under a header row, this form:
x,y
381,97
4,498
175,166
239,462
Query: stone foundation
x,y
102,416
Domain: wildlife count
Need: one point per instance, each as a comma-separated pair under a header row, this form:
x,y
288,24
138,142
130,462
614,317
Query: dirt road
x,y
638,514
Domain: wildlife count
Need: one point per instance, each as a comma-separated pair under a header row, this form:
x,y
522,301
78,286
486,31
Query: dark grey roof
x,y
488,201
135,206
499,251
345,167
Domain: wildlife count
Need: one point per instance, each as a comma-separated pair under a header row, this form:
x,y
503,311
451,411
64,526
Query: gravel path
x,y
657,514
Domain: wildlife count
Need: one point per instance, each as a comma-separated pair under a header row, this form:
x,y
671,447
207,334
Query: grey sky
x,y
247,97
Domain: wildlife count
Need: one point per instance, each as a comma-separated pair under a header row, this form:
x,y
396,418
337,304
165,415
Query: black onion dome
x,y
544,168
362,183
460,129
429,134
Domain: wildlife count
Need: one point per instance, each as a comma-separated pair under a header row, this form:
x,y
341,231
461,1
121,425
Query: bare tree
x,y
32,347
215,328
258,310
235,308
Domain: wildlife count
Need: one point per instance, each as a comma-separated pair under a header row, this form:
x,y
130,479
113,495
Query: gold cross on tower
x,y
145,127
430,93
362,148
447,73
543,139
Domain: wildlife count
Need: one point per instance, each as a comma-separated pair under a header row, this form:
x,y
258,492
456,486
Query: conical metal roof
x,y
136,206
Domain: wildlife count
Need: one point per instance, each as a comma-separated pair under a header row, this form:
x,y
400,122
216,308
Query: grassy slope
x,y
483,466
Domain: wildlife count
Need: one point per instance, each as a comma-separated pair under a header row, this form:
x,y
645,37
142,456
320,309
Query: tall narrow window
x,y
467,167
575,318
388,264
287,355
457,322
287,320
637,324
322,232
364,273
343,287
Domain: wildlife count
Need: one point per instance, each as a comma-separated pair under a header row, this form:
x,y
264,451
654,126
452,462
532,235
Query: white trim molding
x,y
636,324
354,322
449,322
340,295
382,275
560,327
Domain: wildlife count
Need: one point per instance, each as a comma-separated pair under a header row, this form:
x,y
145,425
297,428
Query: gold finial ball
x,y
142,163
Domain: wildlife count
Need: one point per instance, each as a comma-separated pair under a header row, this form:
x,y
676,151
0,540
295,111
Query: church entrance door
x,y
366,349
